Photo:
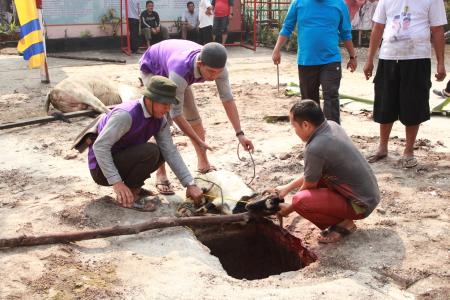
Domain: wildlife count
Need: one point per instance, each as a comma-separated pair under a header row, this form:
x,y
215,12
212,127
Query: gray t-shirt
x,y
330,156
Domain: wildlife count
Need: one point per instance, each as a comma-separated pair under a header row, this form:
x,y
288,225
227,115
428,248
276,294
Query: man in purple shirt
x,y
121,157
186,63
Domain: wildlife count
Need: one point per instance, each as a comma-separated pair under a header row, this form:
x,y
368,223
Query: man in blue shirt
x,y
321,23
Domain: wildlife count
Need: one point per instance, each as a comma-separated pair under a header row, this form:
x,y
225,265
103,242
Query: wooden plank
x,y
163,222
46,119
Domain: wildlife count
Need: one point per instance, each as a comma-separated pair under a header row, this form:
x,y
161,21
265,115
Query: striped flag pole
x,y
45,77
31,43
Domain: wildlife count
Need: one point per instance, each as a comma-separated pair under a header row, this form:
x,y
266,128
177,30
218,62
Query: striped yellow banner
x,y
31,43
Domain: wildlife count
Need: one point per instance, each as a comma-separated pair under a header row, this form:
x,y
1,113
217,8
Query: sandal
x,y
376,157
164,187
325,237
146,203
408,162
145,192
441,93
204,171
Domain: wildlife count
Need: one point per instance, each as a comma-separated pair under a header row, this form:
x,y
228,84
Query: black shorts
x,y
402,91
220,24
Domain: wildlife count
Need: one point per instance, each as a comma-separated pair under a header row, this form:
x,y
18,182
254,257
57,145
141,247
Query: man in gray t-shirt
x,y
338,185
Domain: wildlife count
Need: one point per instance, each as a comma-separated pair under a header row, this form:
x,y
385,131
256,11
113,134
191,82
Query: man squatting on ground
x,y
402,81
320,25
186,63
121,156
338,185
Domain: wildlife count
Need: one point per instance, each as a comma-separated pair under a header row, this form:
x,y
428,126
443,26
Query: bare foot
x,y
376,157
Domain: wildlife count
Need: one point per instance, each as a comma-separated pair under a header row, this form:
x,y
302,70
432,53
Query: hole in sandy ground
x,y
256,250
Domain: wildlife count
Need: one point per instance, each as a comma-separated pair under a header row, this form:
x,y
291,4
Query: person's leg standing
x,y
309,82
216,29
330,79
414,96
208,38
386,104
134,34
190,112
225,24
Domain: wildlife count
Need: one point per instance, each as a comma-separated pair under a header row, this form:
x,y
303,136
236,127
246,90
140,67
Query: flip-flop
x,y
146,203
145,192
204,171
408,162
167,184
324,235
376,157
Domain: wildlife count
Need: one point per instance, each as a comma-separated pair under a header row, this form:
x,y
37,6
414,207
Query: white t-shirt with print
x,y
204,19
407,27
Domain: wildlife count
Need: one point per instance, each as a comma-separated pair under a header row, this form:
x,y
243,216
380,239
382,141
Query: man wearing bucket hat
x,y
122,158
186,63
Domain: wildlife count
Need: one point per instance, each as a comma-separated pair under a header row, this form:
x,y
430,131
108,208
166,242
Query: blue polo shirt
x,y
321,23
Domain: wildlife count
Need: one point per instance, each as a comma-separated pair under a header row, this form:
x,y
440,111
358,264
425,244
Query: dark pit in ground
x,y
255,250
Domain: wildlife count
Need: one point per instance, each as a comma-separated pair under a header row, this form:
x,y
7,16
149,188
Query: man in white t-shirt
x,y
408,28
133,24
206,18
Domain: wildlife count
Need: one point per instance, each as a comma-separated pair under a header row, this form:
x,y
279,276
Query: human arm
x,y
233,116
345,34
352,63
288,27
283,190
142,20
118,124
173,158
437,36
177,111
226,95
375,41
231,4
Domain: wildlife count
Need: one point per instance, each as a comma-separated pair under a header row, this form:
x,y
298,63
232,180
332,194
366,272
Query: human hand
x,y
204,146
158,29
123,194
276,56
441,73
285,210
195,193
282,191
352,64
368,69
246,143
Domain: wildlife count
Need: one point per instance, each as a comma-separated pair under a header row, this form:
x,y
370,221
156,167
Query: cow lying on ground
x,y
82,92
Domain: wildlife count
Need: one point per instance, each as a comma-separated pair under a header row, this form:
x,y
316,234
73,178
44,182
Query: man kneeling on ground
x,y
122,158
338,185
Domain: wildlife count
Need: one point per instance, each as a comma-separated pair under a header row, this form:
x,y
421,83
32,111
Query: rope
x,y
253,162
213,184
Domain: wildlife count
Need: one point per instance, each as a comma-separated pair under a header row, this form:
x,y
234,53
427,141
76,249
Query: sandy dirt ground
x,y
401,251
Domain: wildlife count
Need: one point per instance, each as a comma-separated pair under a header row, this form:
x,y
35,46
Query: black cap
x,y
214,55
